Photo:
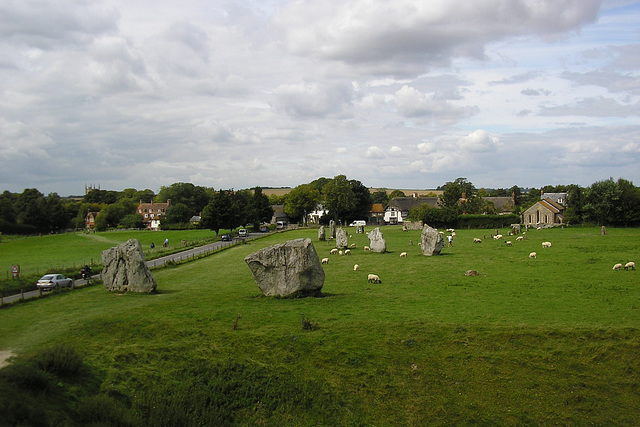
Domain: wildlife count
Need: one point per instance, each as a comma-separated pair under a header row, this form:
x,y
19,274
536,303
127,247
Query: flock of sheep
x,y
373,278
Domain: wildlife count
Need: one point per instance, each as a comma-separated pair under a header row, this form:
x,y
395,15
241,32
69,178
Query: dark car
x,y
226,238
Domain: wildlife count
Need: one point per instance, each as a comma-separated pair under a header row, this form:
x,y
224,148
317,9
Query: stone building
x,y
544,212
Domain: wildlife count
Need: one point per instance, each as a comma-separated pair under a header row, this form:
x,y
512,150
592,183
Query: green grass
x,y
552,340
67,253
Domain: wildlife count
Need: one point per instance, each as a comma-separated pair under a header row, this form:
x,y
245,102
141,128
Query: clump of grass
x,y
60,360
29,376
103,410
235,322
308,325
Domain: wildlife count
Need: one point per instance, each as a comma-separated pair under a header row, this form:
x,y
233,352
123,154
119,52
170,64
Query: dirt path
x,y
4,356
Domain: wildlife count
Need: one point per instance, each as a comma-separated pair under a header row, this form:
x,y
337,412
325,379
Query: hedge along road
x,y
154,263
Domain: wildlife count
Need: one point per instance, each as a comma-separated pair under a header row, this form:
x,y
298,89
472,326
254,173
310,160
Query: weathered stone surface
x,y
321,234
332,228
287,268
124,269
432,241
376,241
342,238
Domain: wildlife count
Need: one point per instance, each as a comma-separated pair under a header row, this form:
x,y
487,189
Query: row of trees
x,y
607,202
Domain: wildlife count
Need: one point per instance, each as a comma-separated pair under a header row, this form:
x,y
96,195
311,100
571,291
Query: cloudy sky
x,y
233,94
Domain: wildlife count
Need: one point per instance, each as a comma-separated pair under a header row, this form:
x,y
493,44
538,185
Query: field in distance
x,y
529,341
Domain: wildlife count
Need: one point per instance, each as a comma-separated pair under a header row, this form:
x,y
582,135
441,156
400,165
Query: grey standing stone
x,y
376,241
332,228
287,269
124,269
432,241
342,238
321,234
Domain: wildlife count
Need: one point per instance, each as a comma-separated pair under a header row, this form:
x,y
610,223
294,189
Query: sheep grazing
x,y
340,253
333,251
450,230
367,248
508,242
497,237
373,278
476,240
353,245
403,255
546,244
519,238
347,252
533,255
356,267
617,266
325,261
630,265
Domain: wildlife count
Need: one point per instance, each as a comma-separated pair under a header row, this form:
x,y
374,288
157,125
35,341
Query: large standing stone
x,y
287,269
321,234
124,269
332,228
432,241
376,241
342,238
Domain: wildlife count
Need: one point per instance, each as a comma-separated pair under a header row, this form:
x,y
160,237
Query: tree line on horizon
x,y
606,202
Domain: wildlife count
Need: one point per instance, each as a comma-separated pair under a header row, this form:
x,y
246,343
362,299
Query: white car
x,y
242,232
54,281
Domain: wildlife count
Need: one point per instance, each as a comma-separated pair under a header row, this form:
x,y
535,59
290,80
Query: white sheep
x,y
476,240
373,278
546,244
497,237
617,266
508,242
533,255
353,245
519,238
340,252
333,251
347,252
630,265
356,267
325,261
403,255
367,248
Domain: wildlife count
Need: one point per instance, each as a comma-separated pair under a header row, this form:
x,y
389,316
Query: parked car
x,y
226,238
242,232
54,281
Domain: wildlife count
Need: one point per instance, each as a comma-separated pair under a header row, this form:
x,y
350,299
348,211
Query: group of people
x,y
165,244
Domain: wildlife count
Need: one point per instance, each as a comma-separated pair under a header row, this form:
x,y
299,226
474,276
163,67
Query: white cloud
x,y
232,95
478,141
374,152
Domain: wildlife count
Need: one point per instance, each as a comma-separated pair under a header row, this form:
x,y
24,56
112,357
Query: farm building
x,y
544,212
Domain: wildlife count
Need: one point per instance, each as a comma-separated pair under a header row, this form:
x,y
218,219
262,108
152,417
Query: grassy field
x,y
552,340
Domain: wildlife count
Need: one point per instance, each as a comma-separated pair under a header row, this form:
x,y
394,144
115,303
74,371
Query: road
x,y
154,263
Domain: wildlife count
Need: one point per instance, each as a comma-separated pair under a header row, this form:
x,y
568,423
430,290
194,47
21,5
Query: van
x,y
358,223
